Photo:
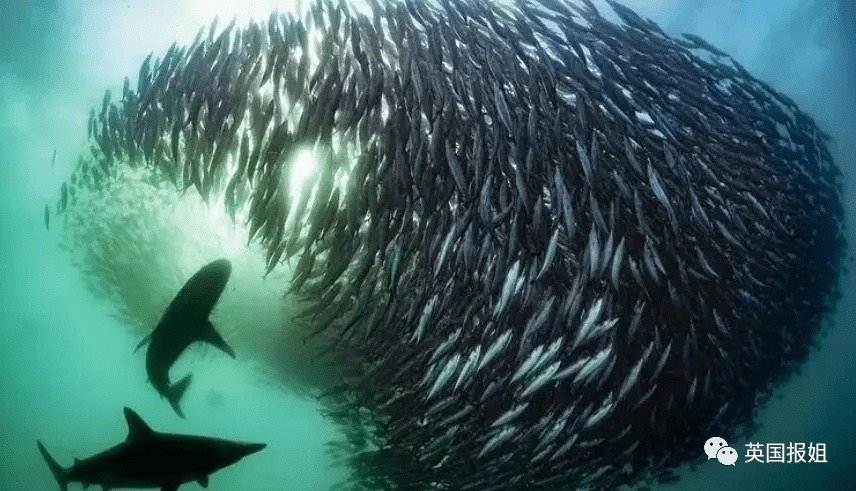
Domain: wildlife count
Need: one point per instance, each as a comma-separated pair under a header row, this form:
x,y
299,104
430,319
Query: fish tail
x,y
59,473
175,393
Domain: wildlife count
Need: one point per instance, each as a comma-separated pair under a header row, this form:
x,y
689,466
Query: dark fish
x,y
502,108
184,322
701,43
151,459
63,197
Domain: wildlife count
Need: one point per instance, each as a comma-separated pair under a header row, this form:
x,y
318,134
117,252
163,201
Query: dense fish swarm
x,y
564,251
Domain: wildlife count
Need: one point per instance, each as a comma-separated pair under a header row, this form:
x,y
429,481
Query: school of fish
x,y
563,251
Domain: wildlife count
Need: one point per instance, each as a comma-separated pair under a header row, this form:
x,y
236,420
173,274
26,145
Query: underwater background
x,y
66,361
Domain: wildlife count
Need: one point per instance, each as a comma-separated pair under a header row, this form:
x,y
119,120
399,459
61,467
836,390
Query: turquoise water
x,y
66,362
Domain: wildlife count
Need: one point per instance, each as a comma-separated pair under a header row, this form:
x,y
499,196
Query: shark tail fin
x,y
176,392
59,473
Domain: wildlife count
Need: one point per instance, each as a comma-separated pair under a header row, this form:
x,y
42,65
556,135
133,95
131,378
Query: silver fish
x,y
588,323
495,348
448,371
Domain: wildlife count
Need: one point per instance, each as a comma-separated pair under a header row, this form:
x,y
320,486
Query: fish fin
x,y
203,481
210,335
137,428
175,393
60,474
170,487
143,342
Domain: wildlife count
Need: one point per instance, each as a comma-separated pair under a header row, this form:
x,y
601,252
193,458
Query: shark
x,y
151,459
184,322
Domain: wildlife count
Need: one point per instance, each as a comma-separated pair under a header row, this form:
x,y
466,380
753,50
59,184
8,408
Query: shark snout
x,y
251,448
234,451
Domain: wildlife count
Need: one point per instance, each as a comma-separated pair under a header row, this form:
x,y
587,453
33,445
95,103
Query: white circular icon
x,y
726,456
712,445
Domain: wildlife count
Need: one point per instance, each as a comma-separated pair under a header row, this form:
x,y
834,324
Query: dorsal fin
x,y
137,428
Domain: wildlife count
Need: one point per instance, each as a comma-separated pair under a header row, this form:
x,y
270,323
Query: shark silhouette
x,y
184,322
150,459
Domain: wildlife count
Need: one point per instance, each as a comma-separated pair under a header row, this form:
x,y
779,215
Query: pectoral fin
x,y
213,337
